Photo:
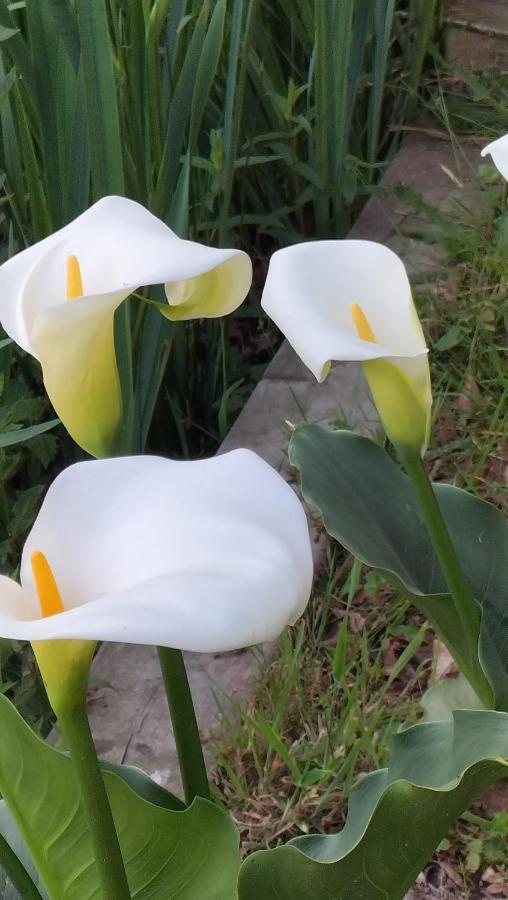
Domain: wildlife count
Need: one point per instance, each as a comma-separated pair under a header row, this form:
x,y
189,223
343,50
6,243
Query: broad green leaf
x,y
450,339
447,695
397,816
143,785
8,438
192,855
11,834
367,504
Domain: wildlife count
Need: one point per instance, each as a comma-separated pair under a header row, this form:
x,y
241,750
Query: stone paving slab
x,y
130,719
485,16
477,33
128,708
439,171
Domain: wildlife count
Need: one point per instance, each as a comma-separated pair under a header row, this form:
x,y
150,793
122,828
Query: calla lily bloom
x,y
351,300
498,150
207,556
58,298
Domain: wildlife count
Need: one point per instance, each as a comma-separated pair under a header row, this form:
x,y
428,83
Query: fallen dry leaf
x,y
445,663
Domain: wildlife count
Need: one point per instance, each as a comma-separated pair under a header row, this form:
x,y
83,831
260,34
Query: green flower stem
x,y
466,607
16,872
108,856
185,727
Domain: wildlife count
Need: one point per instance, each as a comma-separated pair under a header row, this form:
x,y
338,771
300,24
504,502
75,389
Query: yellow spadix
x,y
74,278
63,663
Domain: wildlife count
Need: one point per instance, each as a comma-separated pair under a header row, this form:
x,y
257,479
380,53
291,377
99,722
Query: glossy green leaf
x,y
367,504
397,816
10,833
143,785
192,855
447,695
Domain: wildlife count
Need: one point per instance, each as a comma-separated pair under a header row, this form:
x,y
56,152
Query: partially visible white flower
x,y
58,299
351,300
498,150
207,556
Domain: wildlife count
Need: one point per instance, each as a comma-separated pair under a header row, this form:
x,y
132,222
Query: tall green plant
x,y
234,121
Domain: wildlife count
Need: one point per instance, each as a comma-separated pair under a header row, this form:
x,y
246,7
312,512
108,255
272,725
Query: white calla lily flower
x,y
58,299
208,556
498,150
351,300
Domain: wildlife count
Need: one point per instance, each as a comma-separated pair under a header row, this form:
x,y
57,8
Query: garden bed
x,y
327,704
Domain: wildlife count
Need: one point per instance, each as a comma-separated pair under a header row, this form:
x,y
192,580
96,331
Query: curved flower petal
x,y
206,556
220,282
76,347
119,246
15,603
498,150
310,287
13,275
309,291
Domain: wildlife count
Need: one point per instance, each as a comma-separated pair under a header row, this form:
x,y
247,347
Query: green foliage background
x,y
238,122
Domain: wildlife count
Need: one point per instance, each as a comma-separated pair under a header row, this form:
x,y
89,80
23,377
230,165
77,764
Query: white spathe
x,y
498,150
310,287
308,293
209,556
120,246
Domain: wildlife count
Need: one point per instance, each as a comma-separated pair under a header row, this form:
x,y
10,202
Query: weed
x,y
343,680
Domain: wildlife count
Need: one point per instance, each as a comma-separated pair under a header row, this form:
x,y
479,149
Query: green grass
x,y
465,317
325,707
342,682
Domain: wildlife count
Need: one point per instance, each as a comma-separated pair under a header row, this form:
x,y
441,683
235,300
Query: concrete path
x,y
477,33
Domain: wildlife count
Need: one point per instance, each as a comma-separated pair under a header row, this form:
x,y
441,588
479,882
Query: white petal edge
x,y
202,613
498,150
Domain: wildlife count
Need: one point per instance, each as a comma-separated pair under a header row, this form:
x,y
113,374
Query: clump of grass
x,y
343,680
465,317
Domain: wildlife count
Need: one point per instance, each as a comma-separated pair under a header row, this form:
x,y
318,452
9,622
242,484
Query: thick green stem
x,y
185,726
466,607
17,872
108,856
